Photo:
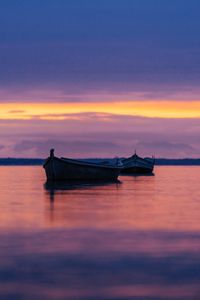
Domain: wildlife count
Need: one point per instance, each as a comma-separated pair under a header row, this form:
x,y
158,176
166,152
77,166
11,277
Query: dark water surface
x,y
136,240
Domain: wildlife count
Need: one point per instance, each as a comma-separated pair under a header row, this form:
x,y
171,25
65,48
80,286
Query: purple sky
x,y
104,51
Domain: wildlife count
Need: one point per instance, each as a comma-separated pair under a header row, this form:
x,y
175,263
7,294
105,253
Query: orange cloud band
x,y
51,111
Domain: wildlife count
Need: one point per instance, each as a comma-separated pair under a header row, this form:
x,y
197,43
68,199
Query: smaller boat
x,y
137,165
58,169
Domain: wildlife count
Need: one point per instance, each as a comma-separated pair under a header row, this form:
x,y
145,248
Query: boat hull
x,y
136,170
137,165
68,169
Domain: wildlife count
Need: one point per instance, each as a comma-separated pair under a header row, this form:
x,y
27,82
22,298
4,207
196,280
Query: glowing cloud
x,y
59,111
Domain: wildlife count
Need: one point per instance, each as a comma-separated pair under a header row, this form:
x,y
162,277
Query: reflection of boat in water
x,y
137,165
58,187
76,185
71,169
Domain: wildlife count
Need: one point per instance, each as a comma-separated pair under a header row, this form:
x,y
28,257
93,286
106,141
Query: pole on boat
x,y
52,153
52,172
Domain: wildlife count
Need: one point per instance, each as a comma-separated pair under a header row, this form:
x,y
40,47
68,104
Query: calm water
x,y
139,239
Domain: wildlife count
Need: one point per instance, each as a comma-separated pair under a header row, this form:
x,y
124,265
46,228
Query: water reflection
x,y
139,239
99,264
145,202
54,187
138,175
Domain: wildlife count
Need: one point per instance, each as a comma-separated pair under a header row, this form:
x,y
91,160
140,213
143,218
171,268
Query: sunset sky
x,y
100,78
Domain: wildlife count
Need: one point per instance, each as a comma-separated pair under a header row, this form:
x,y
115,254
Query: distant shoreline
x,y
40,161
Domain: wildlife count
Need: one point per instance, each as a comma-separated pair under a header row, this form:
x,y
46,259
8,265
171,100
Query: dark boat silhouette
x,y
137,165
58,169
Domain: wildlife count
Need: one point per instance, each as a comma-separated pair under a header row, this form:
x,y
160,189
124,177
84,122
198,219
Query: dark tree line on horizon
x,y
158,162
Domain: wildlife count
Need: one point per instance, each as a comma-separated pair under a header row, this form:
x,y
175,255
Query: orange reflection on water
x,y
167,201
21,203
137,239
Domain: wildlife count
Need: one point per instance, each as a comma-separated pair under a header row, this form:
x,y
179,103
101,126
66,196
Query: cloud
x,y
102,135
17,111
107,46
77,93
78,148
168,149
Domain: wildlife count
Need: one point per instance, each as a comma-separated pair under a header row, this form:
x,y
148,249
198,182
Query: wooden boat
x,y
137,165
71,169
